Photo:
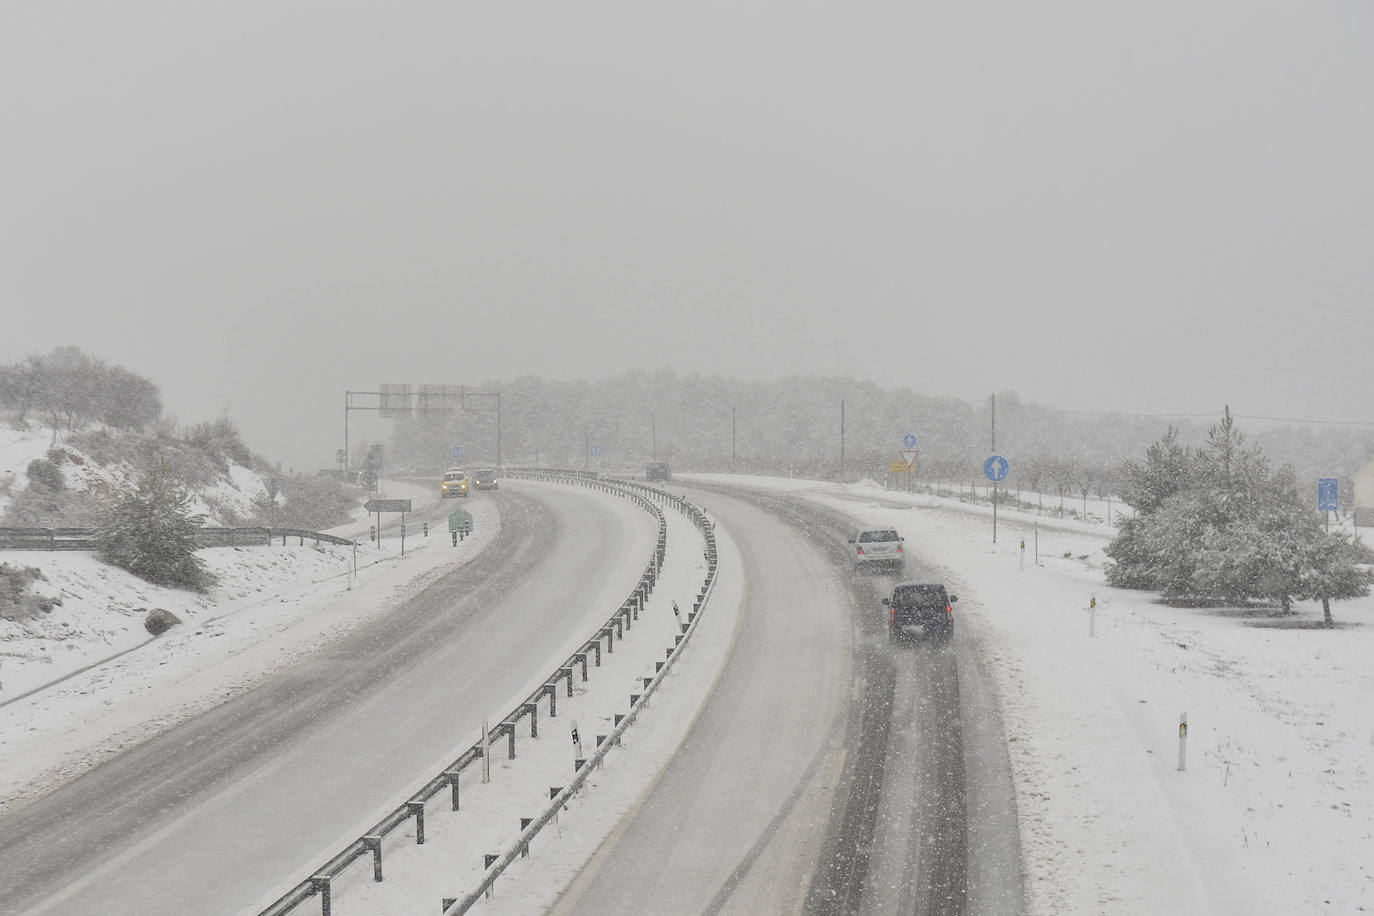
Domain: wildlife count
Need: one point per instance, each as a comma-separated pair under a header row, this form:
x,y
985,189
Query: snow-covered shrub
x,y
17,600
151,532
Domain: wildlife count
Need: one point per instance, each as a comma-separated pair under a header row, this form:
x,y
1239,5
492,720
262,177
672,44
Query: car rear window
x,y
868,537
920,596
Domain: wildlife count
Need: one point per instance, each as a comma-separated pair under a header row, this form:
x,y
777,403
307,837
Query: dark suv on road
x,y
920,609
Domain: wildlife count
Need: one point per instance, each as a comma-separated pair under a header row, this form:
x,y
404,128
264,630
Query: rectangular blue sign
x,y
1328,494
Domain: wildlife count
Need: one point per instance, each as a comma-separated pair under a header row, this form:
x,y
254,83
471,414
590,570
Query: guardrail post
x,y
510,740
525,847
609,632
568,673
488,861
596,647
374,843
533,710
418,810
452,777
552,691
321,883
582,657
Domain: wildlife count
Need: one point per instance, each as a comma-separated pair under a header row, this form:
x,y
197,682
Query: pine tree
x,y
1219,524
1333,571
151,532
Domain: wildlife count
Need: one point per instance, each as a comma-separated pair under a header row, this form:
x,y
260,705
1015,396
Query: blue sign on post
x,y
596,451
908,441
1328,494
457,451
995,468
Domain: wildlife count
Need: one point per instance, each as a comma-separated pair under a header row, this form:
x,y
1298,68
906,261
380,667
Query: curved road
x,y
828,772
235,806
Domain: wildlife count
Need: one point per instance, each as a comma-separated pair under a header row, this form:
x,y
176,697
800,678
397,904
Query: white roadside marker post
x,y
1182,741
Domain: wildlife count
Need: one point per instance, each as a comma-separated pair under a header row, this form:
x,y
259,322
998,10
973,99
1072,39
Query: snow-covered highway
x,y
217,812
825,771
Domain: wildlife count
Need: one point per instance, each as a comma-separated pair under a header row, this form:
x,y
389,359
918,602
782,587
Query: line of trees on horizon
x,y
793,426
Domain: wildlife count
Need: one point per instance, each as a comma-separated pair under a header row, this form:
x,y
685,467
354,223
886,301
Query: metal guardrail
x,y
521,845
84,538
622,619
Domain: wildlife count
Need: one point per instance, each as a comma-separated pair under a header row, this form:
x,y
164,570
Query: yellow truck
x,y
454,483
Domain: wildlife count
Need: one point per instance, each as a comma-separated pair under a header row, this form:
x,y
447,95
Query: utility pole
x,y
842,438
733,408
994,483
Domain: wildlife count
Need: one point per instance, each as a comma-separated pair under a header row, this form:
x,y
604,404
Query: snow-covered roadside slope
x,y
271,606
234,495
1274,812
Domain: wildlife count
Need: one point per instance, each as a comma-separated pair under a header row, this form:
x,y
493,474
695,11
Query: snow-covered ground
x,y
1274,812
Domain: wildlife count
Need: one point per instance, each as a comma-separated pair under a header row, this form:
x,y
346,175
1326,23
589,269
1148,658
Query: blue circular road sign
x,y
908,441
995,468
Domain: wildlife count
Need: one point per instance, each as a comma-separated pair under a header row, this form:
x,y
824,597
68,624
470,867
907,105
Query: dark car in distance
x,y
658,471
920,609
485,479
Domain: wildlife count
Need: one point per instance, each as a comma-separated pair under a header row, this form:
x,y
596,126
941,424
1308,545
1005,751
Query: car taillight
x,y
861,551
949,612
899,548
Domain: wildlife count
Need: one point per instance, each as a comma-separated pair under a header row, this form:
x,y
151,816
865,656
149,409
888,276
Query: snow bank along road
x,y
827,772
202,818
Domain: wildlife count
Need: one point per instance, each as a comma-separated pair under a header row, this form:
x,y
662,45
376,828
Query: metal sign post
x,y
389,505
995,469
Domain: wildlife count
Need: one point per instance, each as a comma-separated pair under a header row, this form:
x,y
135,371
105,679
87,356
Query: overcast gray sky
x,y
1151,207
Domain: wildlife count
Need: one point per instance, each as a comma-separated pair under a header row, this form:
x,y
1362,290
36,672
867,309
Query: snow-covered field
x,y
1274,812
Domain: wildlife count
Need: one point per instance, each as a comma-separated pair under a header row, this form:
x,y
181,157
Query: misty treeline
x,y
112,416
793,426
1218,523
